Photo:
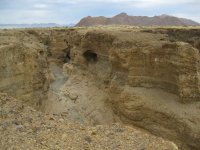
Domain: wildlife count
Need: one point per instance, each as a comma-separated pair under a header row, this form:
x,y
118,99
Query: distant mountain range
x,y
124,19
120,19
40,25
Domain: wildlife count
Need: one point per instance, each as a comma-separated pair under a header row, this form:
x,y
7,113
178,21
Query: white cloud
x,y
40,6
63,1
38,13
156,3
135,3
73,10
194,17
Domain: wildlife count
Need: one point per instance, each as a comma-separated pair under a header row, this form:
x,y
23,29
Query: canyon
x,y
144,78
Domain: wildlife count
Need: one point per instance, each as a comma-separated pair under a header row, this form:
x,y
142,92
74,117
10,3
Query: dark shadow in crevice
x,y
90,56
67,57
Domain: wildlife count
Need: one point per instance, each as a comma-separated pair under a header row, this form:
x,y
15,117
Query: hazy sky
x,y
71,11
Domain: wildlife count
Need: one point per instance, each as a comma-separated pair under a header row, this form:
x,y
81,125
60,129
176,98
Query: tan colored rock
x,y
151,82
23,67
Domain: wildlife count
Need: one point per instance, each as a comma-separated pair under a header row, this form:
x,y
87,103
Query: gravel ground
x,y
23,128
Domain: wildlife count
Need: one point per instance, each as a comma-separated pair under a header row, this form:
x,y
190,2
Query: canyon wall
x,y
23,67
151,82
146,59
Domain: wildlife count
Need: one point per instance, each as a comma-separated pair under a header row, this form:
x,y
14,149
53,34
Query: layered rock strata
x,y
23,67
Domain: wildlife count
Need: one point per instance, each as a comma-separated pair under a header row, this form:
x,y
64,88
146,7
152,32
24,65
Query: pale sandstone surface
x,y
147,78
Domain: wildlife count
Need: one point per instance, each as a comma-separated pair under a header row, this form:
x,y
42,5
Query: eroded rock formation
x,y
23,66
151,82
142,77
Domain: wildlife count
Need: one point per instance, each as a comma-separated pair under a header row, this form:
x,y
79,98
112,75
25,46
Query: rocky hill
x,y
124,19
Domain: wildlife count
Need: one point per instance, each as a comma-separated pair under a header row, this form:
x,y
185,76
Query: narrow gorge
x,y
148,78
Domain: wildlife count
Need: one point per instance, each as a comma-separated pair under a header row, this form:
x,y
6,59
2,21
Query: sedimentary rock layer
x,y
23,66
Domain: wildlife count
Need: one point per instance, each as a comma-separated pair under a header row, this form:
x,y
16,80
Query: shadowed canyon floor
x,y
142,80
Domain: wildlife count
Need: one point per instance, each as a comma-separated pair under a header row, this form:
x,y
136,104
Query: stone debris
x,y
22,127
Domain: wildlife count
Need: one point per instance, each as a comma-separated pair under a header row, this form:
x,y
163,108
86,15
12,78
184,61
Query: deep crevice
x,y
90,56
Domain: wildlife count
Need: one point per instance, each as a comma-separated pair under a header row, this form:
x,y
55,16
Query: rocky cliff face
x,y
145,60
150,82
147,78
23,66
